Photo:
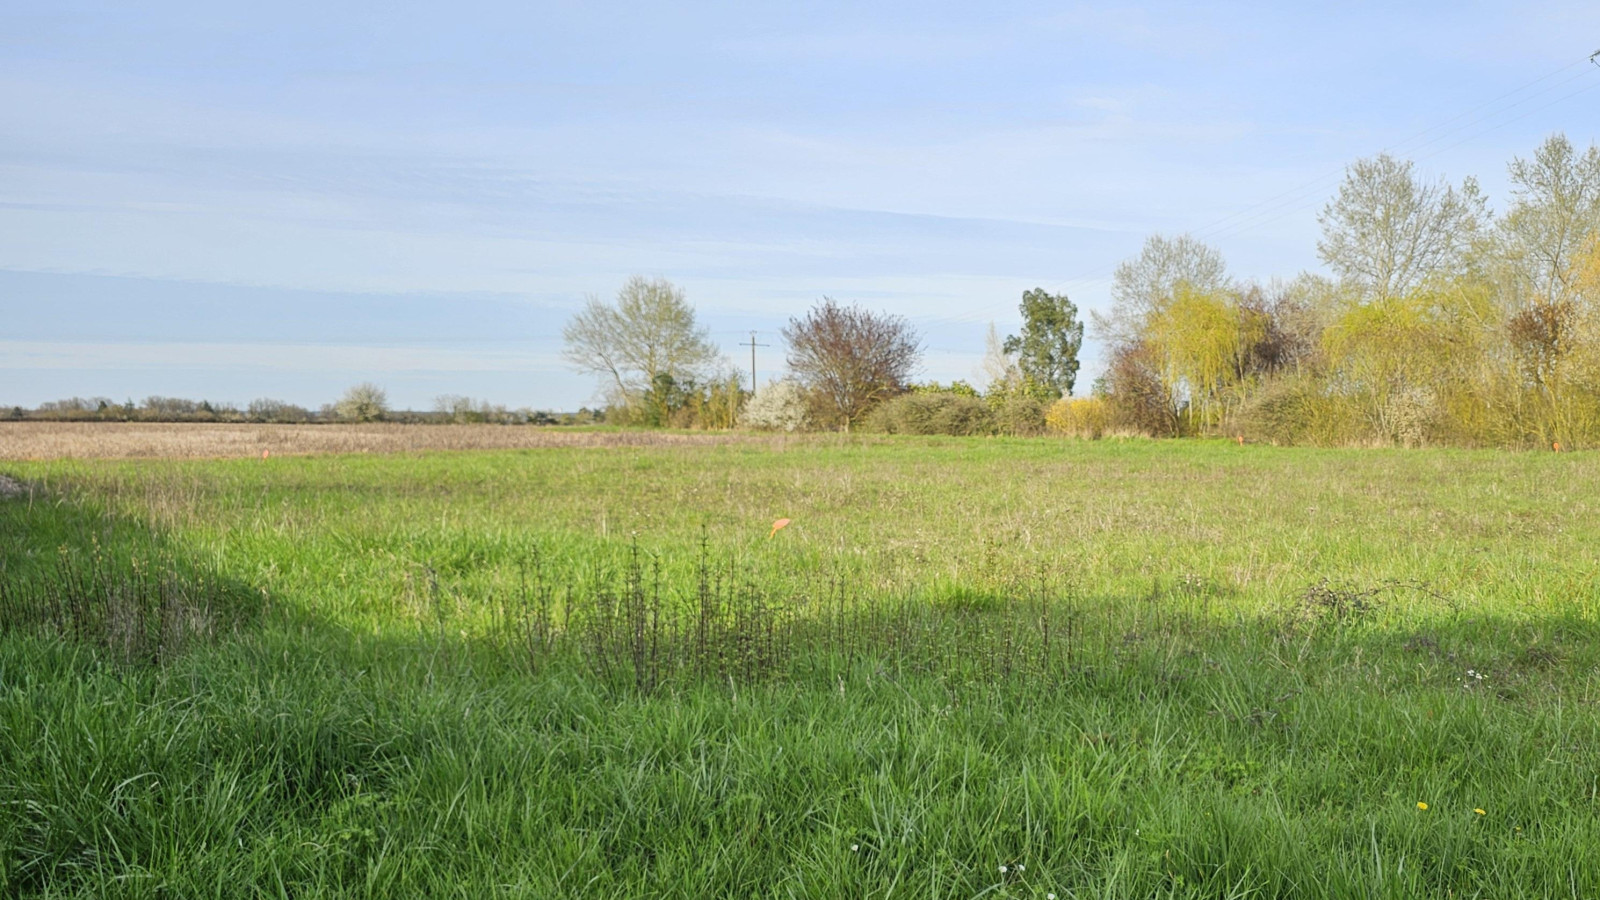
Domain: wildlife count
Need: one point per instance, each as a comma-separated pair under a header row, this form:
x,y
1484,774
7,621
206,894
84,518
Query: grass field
x,y
968,667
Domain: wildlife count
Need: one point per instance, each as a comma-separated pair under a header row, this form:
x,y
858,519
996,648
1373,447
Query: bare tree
x,y
1144,284
1388,231
1555,208
649,333
998,369
848,358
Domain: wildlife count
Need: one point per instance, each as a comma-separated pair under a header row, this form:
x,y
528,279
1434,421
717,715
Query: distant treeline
x,y
1440,322
362,403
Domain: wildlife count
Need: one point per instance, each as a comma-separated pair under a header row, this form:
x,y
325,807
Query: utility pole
x,y
753,345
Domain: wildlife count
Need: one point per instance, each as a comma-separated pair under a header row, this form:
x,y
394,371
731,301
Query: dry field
x,y
138,440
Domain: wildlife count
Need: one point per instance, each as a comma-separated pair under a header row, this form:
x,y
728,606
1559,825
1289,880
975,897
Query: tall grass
x,y
1114,670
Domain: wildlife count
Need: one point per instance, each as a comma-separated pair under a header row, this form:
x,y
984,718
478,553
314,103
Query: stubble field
x,y
965,667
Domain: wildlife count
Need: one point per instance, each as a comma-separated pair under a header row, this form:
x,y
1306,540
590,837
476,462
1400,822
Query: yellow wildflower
x,y
1422,806
1480,812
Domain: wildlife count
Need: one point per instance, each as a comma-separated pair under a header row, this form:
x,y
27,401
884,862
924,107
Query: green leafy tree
x,y
1052,335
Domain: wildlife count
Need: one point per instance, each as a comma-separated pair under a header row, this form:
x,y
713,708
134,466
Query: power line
x,y
753,345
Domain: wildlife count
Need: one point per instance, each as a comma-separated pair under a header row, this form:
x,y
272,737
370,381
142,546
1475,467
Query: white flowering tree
x,y
780,406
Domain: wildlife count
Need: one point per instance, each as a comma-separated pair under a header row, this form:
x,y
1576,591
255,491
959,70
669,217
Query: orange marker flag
x,y
775,526
264,453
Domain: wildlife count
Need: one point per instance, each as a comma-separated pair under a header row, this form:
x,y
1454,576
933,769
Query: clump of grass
x,y
144,612
628,629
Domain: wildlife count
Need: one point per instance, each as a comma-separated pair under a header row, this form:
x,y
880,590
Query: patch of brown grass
x,y
135,440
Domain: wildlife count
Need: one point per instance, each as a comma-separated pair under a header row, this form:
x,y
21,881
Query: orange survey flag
x,y
775,526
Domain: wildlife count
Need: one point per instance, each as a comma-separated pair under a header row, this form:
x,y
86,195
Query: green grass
x,y
1119,669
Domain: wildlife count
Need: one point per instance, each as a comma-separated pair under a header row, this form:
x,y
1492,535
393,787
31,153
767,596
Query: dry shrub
x,y
1019,414
1292,410
1083,417
928,412
1137,396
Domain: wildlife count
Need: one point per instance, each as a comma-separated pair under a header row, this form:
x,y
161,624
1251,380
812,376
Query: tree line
x,y
847,367
364,402
1440,322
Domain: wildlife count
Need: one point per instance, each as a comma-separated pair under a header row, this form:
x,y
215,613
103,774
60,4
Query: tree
x,y
1141,286
1052,335
998,369
1200,341
365,402
1555,208
848,358
650,334
1387,231
1136,395
779,406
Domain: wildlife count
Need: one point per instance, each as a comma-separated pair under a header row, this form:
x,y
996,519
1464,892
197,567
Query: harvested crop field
x,y
133,440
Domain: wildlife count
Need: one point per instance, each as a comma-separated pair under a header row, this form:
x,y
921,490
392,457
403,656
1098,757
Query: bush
x,y
1084,417
780,406
924,412
365,402
1137,398
1018,414
1293,410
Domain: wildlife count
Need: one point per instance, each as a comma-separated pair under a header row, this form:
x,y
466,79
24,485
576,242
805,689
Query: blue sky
x,y
230,202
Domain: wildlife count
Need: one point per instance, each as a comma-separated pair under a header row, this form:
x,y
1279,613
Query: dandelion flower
x,y
1480,812
1002,870
1422,806
854,847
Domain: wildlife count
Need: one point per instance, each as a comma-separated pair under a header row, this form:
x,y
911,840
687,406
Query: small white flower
x,y
1050,897
854,847
1021,867
1002,870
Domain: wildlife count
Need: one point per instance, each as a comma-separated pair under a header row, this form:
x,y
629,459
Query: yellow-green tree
x,y
1202,338
1407,359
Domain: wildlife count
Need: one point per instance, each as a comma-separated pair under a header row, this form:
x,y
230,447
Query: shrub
x,y
365,402
780,406
922,412
1085,417
1138,399
1298,411
1020,414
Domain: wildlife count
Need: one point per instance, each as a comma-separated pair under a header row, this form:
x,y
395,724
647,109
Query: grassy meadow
x,y
967,667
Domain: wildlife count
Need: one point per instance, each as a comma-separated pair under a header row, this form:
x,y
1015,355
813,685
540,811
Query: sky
x,y
234,201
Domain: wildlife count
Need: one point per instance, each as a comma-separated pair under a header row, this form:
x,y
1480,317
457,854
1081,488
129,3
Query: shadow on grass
x,y
72,570
597,737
